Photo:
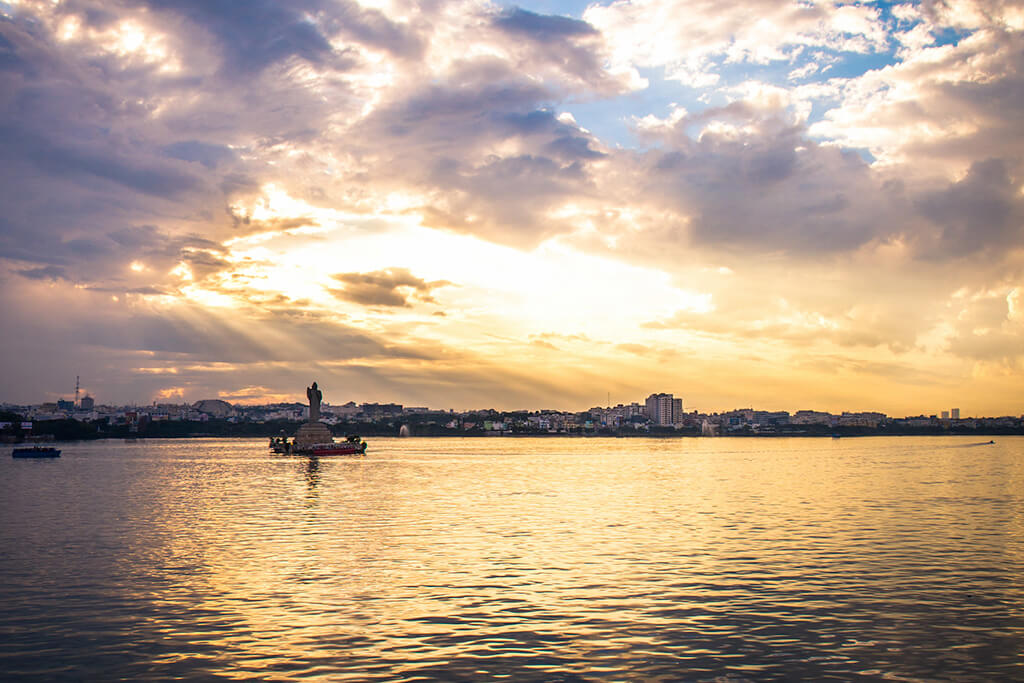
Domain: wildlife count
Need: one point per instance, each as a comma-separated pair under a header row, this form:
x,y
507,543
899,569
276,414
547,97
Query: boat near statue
x,y
314,437
352,445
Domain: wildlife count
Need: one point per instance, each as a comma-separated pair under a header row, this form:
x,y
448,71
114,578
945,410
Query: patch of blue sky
x,y
566,8
611,119
945,36
949,36
862,152
854,64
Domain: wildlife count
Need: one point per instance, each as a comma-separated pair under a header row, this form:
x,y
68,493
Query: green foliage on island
x,y
466,425
66,430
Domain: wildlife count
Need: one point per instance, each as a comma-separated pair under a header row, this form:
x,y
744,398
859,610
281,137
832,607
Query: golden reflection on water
x,y
536,557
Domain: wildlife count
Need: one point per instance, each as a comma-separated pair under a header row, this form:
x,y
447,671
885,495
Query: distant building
x,y
214,407
664,409
347,410
865,419
810,417
65,405
945,415
956,413
378,411
87,403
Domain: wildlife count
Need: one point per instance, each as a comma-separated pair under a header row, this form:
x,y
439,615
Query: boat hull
x,y
333,449
352,446
36,452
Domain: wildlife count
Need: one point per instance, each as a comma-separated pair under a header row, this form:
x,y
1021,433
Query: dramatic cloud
x,y
391,287
463,201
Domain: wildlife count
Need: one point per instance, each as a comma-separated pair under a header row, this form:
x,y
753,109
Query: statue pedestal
x,y
313,433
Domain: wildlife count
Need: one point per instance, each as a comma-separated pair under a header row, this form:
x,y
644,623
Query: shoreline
x,y
242,437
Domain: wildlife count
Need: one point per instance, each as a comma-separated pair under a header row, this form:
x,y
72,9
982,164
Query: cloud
x,y
200,152
946,106
92,162
689,44
390,287
767,188
474,147
984,211
254,35
51,273
176,155
541,28
563,47
988,325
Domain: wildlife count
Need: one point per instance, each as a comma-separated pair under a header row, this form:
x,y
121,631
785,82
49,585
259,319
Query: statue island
x,y
314,431
314,437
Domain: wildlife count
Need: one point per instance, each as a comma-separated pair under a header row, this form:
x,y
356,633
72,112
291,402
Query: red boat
x,y
343,448
353,445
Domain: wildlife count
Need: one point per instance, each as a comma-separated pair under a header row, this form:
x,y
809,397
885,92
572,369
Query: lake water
x,y
527,559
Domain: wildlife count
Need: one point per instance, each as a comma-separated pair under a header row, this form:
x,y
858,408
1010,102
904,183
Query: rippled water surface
x,y
530,559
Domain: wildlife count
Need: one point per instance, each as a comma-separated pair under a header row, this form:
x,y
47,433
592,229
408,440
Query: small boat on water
x,y
36,452
352,445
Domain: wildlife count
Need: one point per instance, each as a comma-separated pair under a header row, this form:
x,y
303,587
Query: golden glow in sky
x,y
472,204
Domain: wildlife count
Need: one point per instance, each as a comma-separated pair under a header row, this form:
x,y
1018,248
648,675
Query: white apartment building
x,y
664,409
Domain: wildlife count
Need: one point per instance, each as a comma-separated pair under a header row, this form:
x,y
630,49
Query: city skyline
x,y
662,408
514,204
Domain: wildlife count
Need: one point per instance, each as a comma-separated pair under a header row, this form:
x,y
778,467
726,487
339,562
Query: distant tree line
x,y
427,425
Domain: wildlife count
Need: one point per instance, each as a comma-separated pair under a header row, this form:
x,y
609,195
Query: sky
x,y
469,204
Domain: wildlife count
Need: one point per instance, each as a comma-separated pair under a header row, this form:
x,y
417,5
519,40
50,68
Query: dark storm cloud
x,y
390,287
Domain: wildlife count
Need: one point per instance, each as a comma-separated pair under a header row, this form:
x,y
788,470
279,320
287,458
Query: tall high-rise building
x,y
956,413
88,403
664,409
945,415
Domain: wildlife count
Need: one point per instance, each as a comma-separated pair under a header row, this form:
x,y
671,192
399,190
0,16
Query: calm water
x,y
530,559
